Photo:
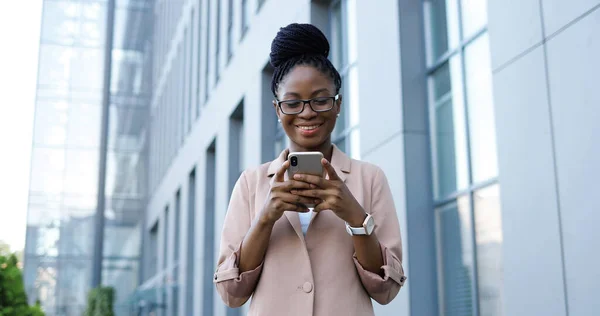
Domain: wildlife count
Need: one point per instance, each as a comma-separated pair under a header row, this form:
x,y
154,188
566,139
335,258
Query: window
x,y
260,4
165,229
153,249
180,101
245,17
185,70
165,257
191,243
218,43
175,269
464,160
346,134
230,31
209,229
207,42
190,72
236,145
198,40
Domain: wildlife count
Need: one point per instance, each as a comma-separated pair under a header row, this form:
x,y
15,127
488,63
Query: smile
x,y
309,128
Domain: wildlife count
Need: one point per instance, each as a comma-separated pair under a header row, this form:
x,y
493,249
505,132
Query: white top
x,y
305,220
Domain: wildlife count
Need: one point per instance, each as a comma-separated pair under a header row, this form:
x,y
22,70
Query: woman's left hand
x,y
334,195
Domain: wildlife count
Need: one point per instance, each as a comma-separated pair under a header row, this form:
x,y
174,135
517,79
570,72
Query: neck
x,y
325,148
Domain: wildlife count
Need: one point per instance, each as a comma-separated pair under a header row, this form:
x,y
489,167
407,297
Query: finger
x,y
294,207
296,199
321,207
311,179
279,176
320,194
330,170
294,185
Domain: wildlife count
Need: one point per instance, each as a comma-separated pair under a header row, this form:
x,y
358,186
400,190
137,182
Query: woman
x,y
290,260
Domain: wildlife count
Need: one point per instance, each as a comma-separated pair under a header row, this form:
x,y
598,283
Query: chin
x,y
309,143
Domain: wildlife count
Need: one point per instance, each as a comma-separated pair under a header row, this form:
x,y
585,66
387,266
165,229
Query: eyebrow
x,y
296,95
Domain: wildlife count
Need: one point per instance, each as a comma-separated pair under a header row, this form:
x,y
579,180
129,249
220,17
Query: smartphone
x,y
305,162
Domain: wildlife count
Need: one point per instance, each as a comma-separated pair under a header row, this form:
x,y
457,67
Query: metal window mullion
x,y
461,52
442,101
99,216
471,188
433,134
446,56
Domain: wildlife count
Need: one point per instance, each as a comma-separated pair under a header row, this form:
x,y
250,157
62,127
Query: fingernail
x,y
293,191
312,186
297,177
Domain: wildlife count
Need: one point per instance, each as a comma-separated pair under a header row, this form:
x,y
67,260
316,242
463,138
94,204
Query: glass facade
x,y
66,153
65,156
126,163
464,160
344,56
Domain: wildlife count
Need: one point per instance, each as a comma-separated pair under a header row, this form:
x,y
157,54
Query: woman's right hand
x,y
280,199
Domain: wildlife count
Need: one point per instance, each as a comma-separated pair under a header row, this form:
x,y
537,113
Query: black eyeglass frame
x,y
304,102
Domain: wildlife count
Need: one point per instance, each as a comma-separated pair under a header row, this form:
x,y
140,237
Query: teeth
x,y
308,128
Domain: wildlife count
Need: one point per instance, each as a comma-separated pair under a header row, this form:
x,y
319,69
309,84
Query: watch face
x,y
370,225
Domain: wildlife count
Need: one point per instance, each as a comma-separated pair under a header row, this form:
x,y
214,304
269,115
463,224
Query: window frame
x,y
345,67
440,203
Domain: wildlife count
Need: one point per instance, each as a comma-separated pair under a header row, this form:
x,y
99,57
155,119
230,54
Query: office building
x,y
481,113
89,153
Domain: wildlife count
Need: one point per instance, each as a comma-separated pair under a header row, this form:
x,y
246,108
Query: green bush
x,y
100,302
13,299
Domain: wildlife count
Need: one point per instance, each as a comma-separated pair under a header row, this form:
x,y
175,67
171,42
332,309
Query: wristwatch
x,y
367,227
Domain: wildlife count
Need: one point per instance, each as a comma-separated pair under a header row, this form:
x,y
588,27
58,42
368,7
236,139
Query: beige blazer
x,y
317,274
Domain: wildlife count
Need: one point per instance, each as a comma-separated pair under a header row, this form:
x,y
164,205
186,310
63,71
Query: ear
x,y
276,108
339,104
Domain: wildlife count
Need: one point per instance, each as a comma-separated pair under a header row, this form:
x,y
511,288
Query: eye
x,y
321,101
292,103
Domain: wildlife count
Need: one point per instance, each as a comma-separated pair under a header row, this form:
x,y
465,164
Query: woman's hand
x,y
280,198
332,194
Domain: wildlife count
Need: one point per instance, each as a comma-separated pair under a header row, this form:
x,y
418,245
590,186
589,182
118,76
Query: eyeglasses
x,y
321,104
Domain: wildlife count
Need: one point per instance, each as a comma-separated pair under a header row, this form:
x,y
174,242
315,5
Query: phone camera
x,y
294,161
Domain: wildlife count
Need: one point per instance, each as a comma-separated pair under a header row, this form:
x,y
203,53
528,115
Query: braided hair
x,y
301,44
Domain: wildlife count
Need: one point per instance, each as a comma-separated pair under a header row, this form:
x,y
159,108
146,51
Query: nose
x,y
307,113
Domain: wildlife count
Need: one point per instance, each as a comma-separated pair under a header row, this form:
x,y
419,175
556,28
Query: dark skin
x,y
307,82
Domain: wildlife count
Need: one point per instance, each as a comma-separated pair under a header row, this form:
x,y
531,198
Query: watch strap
x,y
355,230
361,230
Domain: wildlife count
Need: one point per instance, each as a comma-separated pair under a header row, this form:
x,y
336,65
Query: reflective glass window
x,y
488,236
455,255
480,100
81,176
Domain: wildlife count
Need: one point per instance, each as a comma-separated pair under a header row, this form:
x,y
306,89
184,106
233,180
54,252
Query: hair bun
x,y
297,40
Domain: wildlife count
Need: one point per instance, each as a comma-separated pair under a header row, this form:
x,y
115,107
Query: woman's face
x,y
307,130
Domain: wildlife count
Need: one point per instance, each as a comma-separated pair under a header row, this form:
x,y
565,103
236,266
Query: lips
x,y
308,130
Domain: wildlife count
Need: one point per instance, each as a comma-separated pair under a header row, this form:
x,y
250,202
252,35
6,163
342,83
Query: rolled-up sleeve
x,y
235,288
387,229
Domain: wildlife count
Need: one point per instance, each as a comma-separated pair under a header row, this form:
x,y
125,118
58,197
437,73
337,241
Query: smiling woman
x,y
349,249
